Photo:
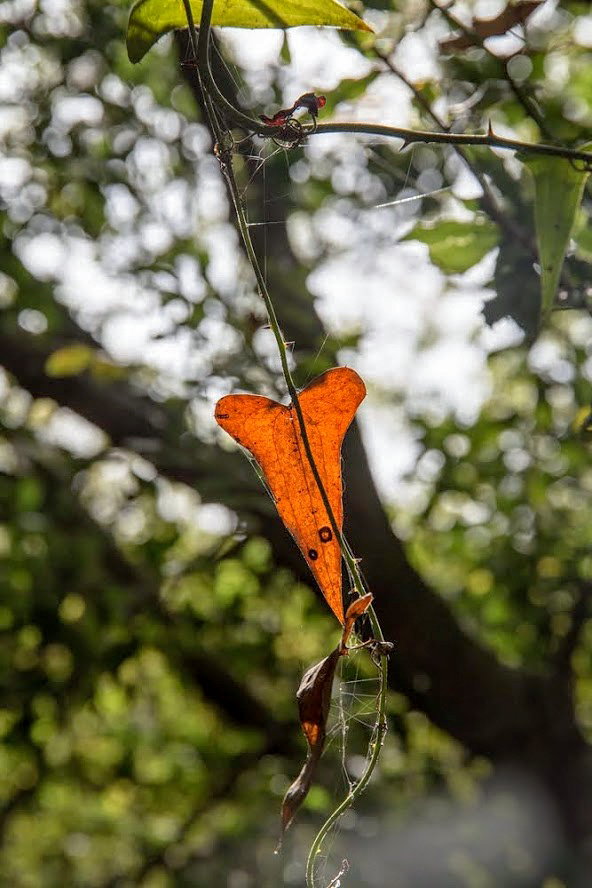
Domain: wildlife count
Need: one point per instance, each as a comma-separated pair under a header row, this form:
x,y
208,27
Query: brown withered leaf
x,y
514,14
355,610
314,697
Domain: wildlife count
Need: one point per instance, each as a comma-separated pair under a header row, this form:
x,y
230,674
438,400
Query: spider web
x,y
264,152
351,735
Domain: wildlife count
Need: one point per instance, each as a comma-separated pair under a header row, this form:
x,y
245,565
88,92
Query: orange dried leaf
x,y
358,607
314,697
355,610
270,431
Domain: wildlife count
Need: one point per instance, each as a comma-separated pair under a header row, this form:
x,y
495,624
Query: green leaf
x,y
69,361
150,19
348,90
456,246
583,239
558,189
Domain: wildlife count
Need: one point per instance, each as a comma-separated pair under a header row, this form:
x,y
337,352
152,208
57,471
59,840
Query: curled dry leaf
x,y
271,432
313,696
309,101
355,610
514,14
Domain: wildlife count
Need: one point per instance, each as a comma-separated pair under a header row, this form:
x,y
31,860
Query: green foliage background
x,y
148,665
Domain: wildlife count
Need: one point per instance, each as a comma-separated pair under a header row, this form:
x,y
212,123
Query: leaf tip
x,y
132,52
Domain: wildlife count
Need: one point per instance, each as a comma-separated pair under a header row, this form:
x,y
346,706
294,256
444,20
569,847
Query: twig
x,y
488,199
380,728
525,100
489,139
215,97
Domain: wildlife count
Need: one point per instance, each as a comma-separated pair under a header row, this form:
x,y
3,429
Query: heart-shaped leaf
x,y
271,432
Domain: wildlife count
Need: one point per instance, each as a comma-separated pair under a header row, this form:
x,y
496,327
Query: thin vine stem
x,y
378,733
214,99
243,226
488,199
201,49
528,103
347,554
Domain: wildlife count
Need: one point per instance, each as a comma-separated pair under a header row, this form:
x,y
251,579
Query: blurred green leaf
x,y
583,240
70,360
101,368
348,90
150,19
29,494
456,246
559,186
